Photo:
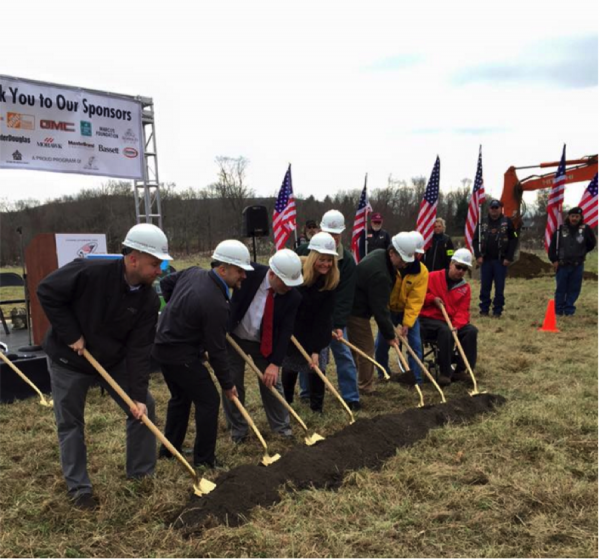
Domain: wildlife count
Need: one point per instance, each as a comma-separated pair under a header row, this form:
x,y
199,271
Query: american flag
x,y
477,199
360,220
284,214
555,200
589,203
428,208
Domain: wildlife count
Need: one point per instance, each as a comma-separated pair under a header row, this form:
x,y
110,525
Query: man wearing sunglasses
x,y
450,289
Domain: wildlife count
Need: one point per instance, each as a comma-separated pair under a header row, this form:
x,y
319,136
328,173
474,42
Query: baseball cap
x,y
576,210
376,217
496,204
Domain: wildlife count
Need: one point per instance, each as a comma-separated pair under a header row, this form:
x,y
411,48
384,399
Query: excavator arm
x,y
578,170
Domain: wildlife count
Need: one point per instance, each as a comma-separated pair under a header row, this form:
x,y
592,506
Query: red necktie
x,y
266,339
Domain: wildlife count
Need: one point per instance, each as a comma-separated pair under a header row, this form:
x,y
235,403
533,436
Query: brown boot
x,y
444,380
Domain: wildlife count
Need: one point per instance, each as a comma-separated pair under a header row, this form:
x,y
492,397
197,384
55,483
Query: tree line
x,y
196,219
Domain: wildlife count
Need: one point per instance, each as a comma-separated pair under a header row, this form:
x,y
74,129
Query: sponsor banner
x,y
70,246
45,127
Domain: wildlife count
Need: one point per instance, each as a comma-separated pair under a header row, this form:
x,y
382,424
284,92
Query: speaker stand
x,y
254,246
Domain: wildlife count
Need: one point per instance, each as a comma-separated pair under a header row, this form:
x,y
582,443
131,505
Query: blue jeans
x,y
303,376
382,349
346,370
568,288
492,271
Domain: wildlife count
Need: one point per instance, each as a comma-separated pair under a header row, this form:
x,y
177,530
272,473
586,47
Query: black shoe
x,y
496,315
354,406
216,463
85,501
461,376
484,313
407,378
287,435
305,400
444,380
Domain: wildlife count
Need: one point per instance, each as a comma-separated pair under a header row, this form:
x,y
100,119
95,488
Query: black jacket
x,y
439,254
314,320
498,239
375,240
91,298
570,245
284,312
194,321
344,292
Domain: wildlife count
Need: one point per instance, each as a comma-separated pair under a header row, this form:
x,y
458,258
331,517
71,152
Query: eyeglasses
x,y
461,268
312,226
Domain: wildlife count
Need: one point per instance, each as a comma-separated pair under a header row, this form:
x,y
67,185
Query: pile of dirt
x,y
365,444
531,266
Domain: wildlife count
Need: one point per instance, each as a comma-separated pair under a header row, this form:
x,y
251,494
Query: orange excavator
x,y
578,170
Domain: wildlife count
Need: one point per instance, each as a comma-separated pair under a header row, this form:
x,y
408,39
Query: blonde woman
x,y
314,320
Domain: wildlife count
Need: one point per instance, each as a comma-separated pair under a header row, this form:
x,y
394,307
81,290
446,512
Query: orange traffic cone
x,y
550,319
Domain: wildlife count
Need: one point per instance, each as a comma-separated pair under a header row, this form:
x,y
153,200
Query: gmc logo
x,y
53,125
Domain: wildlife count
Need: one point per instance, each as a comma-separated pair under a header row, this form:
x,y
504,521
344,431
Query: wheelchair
x,y
430,359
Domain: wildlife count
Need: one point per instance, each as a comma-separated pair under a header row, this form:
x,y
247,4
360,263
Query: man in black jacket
x,y
263,313
193,322
376,237
440,251
568,249
110,308
494,250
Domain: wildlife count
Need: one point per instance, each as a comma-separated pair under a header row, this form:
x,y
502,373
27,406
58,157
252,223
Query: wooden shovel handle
x,y
323,378
247,417
361,352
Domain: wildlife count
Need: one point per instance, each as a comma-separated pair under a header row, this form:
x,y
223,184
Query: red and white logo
x,y
131,153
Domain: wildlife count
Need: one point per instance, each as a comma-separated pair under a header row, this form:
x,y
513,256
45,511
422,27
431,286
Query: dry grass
x,y
521,482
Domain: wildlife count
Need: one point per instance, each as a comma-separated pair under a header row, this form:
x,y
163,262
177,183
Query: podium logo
x,y
54,125
85,128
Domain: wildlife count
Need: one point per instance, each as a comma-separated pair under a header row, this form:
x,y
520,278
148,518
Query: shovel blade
x,y
203,487
268,460
315,438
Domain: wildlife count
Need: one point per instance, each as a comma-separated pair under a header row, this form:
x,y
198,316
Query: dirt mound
x,y
366,443
531,266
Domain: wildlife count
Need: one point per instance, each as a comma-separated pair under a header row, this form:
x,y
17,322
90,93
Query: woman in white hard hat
x,y
314,320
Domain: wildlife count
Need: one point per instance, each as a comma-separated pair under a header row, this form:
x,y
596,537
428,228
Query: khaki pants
x,y
361,335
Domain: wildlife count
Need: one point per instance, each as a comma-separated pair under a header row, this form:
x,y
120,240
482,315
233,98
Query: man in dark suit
x,y
263,313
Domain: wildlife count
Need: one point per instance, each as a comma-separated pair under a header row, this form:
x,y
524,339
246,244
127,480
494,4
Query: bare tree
x,y
231,182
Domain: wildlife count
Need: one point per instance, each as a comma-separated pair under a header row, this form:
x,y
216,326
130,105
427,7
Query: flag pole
x,y
366,218
480,206
295,220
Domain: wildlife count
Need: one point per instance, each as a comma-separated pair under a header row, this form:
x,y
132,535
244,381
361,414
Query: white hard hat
x,y
148,238
420,242
287,266
405,245
323,243
233,252
333,222
463,256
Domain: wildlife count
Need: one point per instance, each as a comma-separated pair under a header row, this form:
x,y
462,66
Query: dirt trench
x,y
365,444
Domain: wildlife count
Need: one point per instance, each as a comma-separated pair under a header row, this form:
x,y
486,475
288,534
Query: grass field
x,y
520,482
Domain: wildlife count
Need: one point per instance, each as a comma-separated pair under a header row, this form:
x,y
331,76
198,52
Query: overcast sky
x,y
337,88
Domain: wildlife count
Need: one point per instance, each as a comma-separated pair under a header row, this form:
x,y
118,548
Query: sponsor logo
x,y
85,145
104,149
131,153
17,159
130,136
49,143
85,128
106,132
15,139
21,121
91,164
57,125
88,248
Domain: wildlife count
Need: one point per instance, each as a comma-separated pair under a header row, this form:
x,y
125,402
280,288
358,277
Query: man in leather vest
x,y
494,248
567,252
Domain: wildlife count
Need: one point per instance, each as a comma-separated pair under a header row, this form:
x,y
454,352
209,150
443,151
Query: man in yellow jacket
x,y
406,301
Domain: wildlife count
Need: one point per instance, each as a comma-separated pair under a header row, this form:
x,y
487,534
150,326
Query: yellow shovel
x,y
386,376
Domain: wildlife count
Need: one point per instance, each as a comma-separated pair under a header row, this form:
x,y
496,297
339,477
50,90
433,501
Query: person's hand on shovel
x,y
271,375
438,301
231,393
393,342
315,360
139,410
338,333
403,330
78,346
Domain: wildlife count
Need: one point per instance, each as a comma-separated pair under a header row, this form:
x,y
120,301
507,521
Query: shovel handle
x,y
24,377
253,366
324,378
459,346
145,419
420,363
406,366
361,352
247,417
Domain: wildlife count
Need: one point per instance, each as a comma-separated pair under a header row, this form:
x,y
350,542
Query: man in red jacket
x,y
449,288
